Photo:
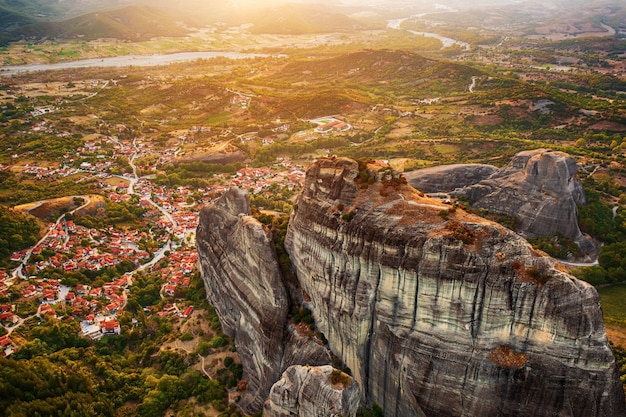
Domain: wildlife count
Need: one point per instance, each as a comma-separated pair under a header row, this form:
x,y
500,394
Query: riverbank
x,y
445,41
128,60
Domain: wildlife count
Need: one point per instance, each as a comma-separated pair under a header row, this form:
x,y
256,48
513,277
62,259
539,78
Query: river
x,y
447,42
126,60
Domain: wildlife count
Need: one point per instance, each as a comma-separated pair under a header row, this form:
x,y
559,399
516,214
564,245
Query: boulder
x,y
540,189
309,391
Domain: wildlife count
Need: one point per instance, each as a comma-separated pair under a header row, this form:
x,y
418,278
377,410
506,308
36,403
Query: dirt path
x,y
473,84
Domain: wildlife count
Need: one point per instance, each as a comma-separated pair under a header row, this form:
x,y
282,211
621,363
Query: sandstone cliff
x,y
244,284
540,189
441,313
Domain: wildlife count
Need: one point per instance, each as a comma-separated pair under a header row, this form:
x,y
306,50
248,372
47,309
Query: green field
x,y
614,303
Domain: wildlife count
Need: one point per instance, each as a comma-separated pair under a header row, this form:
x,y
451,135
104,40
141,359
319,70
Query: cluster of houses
x,y
81,300
257,179
72,247
96,306
67,240
182,263
41,173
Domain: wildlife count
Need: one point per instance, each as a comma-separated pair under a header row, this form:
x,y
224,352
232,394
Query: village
x,y
167,232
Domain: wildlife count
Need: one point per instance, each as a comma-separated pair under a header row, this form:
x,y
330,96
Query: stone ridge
x,y
540,188
447,178
442,313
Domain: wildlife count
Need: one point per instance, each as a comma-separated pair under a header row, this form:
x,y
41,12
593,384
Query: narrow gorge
x,y
435,311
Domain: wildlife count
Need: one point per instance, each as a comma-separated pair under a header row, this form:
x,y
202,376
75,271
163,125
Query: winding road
x,y
18,272
160,254
473,84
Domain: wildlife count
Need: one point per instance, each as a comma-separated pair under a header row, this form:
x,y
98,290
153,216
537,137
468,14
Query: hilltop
x,y
133,23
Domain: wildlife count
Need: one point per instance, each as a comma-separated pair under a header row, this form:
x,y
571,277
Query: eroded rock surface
x,y
446,178
441,313
307,391
539,188
244,284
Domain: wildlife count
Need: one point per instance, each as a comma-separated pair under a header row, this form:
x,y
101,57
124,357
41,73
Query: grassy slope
x,y
132,23
614,303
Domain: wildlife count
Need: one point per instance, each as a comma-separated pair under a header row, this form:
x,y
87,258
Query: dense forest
x,y
17,231
58,373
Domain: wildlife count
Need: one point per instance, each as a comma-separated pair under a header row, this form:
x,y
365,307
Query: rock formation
x,y
539,188
442,313
446,178
244,284
436,312
305,391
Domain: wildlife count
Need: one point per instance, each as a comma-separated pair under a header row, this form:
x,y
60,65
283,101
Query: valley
x,y
111,146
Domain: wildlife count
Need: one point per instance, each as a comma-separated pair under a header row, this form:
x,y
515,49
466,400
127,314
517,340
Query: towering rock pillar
x,y
441,313
243,282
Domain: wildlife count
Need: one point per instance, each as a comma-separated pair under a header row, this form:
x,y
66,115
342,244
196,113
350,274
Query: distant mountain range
x,y
129,23
38,19
298,19
135,20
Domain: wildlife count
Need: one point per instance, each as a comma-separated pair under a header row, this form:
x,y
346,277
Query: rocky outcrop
x,y
442,313
446,178
539,188
305,391
244,283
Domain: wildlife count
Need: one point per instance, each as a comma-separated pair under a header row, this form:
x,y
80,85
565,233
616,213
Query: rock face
x,y
441,313
305,391
539,188
446,178
244,284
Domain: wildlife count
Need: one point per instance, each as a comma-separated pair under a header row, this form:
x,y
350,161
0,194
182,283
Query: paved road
x,y
579,264
18,272
19,323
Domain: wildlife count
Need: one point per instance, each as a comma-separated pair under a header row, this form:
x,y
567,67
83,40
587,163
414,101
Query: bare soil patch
x,y
487,120
608,125
616,334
